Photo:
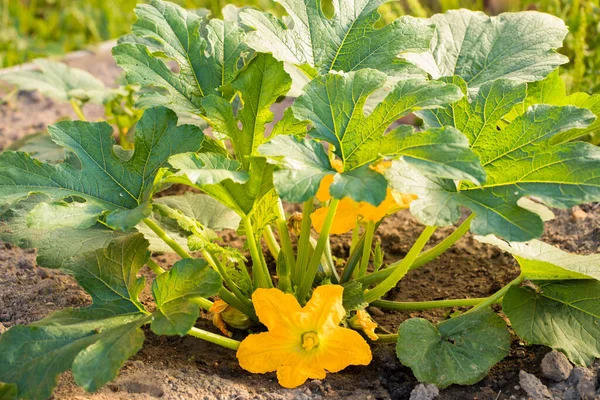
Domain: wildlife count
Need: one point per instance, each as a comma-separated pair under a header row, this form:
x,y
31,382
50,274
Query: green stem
x,y
424,257
335,278
78,110
387,338
496,297
286,242
271,241
311,271
355,238
233,301
260,272
157,269
366,254
426,305
391,281
352,261
205,304
165,238
247,308
214,338
304,241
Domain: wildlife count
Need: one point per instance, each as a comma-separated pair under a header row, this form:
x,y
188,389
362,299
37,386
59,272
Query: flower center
x,y
310,340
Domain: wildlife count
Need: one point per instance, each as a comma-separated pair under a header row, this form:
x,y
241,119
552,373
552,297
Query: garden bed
x,y
188,368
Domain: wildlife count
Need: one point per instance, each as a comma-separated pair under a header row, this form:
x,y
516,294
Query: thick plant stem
x,y
424,257
157,269
260,272
355,237
214,338
272,244
352,261
165,238
391,281
366,254
304,241
78,110
308,276
233,301
216,264
426,305
496,297
284,237
205,304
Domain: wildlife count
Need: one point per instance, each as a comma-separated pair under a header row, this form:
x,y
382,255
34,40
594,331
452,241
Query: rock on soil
x,y
535,389
424,392
556,366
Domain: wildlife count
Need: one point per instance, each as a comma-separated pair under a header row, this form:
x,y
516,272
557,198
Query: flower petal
x,y
343,347
291,376
264,352
323,192
345,217
324,310
275,309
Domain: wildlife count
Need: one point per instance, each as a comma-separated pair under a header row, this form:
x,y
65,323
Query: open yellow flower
x,y
350,212
302,342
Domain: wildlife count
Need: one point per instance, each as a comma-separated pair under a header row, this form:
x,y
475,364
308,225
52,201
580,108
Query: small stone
x,y
571,394
376,312
534,388
576,375
424,392
578,213
556,366
587,386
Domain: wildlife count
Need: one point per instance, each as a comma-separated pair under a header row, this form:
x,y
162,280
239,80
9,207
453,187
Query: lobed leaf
x,y
521,159
480,49
58,81
95,172
335,105
460,350
175,313
563,315
347,41
539,260
55,245
208,54
259,85
94,341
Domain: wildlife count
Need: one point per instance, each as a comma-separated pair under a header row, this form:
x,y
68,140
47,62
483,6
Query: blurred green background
x,y
37,28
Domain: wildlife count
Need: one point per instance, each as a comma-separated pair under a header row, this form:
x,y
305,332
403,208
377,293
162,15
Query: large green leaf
x,y
562,315
110,275
54,246
522,159
335,105
94,341
460,350
539,260
346,42
40,146
58,81
97,174
224,180
480,49
175,314
32,357
8,391
260,84
208,54
552,90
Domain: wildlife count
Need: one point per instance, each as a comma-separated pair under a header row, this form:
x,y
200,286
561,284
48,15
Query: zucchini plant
x,y
498,141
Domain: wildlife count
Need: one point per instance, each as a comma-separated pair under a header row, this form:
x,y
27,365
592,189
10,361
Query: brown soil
x,y
188,368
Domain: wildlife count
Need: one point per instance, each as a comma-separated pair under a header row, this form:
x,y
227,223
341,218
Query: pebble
x,y
556,366
424,392
578,213
534,388
587,386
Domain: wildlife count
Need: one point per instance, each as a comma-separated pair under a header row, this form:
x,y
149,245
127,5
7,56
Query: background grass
x,y
39,28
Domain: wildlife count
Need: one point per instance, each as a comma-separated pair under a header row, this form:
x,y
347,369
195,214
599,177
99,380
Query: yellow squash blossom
x,y
302,342
350,212
363,321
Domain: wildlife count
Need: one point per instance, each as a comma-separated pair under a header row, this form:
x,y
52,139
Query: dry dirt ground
x,y
187,368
